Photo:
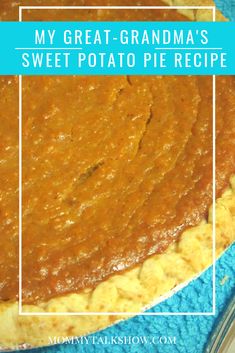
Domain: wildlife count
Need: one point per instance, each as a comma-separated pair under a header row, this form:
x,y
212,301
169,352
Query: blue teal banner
x,y
116,48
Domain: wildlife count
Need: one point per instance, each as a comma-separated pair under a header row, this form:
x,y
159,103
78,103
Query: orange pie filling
x,y
114,170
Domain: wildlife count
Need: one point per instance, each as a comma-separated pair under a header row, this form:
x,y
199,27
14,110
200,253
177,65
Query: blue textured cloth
x,y
191,332
227,7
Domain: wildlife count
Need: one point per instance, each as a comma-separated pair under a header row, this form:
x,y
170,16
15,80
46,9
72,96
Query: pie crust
x,y
135,289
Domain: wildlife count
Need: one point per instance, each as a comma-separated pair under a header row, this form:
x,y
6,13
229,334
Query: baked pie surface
x,y
117,170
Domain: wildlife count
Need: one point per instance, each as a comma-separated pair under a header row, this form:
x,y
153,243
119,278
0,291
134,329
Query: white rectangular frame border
x,y
22,313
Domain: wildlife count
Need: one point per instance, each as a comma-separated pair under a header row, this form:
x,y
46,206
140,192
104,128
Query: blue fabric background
x,y
191,331
227,7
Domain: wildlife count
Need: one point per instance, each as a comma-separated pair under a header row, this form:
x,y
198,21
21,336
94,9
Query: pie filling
x,y
114,169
